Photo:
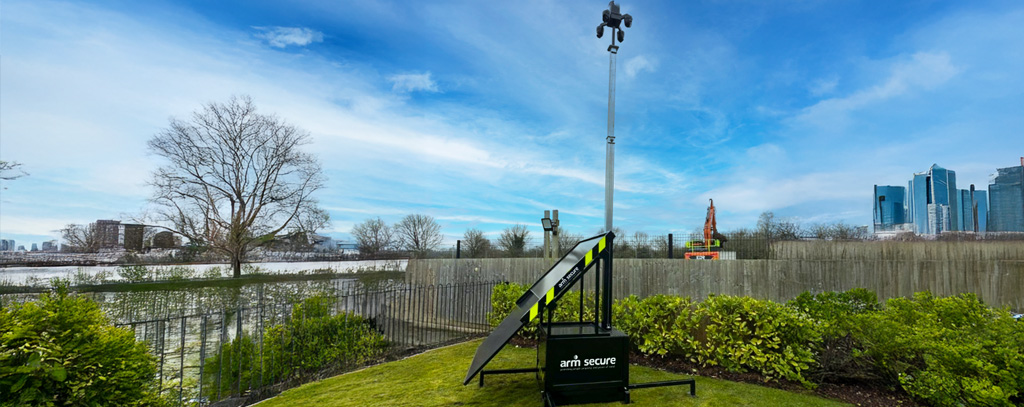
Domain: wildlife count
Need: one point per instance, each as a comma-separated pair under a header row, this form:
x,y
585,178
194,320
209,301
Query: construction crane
x,y
707,248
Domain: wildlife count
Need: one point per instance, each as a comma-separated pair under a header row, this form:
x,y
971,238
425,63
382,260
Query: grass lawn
x,y
435,379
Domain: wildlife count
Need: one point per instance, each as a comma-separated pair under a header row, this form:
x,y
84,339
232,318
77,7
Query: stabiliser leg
x,y
691,382
504,371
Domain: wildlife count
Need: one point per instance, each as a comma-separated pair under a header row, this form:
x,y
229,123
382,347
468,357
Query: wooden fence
x,y
992,270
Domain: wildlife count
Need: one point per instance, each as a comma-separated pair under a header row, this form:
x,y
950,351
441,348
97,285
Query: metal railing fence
x,y
237,356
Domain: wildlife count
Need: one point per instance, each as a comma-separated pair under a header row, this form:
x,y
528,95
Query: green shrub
x,y
657,325
740,333
134,273
175,273
233,368
213,272
838,355
833,310
567,308
313,338
950,351
62,350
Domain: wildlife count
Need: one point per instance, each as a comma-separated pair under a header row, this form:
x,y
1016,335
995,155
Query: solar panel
x,y
548,288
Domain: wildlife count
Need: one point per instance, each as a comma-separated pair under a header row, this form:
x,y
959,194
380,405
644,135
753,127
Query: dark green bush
x,y
233,368
313,338
833,311
838,355
950,351
62,350
740,333
735,332
503,302
657,325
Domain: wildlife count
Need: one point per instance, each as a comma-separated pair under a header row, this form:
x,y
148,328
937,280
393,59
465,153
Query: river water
x,y
34,276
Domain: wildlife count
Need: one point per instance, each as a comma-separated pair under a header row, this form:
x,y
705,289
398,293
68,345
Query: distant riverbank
x,y
34,276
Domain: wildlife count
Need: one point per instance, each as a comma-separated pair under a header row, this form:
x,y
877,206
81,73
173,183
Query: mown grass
x,y
435,379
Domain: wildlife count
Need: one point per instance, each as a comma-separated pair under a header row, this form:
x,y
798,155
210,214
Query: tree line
x,y
420,235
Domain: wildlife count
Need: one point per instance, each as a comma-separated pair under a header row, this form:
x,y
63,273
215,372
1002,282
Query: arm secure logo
x,y
592,363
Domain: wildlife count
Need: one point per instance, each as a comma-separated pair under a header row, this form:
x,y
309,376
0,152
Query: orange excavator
x,y
707,248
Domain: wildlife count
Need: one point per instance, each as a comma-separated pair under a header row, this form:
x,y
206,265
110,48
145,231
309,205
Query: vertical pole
x,y
181,366
609,176
583,293
557,251
597,291
547,240
670,245
458,249
606,304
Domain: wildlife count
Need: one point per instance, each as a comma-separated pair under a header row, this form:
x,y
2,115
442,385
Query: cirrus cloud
x,y
281,37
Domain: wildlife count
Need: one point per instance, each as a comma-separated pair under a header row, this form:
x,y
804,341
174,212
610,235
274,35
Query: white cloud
x,y
638,64
757,193
281,37
413,83
477,219
922,71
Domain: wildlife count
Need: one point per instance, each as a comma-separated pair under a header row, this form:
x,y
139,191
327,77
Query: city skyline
x,y
484,115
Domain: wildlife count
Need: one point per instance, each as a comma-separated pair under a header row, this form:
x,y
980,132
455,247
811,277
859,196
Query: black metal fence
x,y
238,356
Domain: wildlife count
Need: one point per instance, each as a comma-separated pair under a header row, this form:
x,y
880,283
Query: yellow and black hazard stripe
x,y
550,296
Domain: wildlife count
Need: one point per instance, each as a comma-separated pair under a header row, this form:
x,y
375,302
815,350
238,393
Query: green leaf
x,y
17,386
33,360
59,374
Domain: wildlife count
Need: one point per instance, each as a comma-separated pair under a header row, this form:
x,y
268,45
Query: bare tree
x,y
9,171
419,234
475,244
777,228
641,245
514,240
80,238
819,231
234,179
835,231
373,237
567,240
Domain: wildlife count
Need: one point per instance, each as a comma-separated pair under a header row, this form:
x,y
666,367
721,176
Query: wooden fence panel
x,y
889,270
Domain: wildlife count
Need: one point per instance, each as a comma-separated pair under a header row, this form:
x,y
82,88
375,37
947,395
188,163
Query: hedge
x,y
952,351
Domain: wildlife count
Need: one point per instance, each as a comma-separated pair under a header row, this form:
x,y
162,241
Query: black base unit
x,y
580,363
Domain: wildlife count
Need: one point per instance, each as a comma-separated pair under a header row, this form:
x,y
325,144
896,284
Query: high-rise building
x,y
133,236
1006,203
890,207
50,246
933,201
973,210
108,233
7,245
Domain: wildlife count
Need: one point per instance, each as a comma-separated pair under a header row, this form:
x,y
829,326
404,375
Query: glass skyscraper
x,y
1006,210
933,201
973,210
890,207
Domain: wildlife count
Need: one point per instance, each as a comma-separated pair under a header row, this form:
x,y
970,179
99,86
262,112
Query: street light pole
x,y
612,19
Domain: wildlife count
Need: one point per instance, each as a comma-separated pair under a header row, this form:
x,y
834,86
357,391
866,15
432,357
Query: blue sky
x,y
484,114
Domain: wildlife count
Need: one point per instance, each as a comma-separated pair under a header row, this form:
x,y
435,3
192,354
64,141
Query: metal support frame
x,y
505,371
691,382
